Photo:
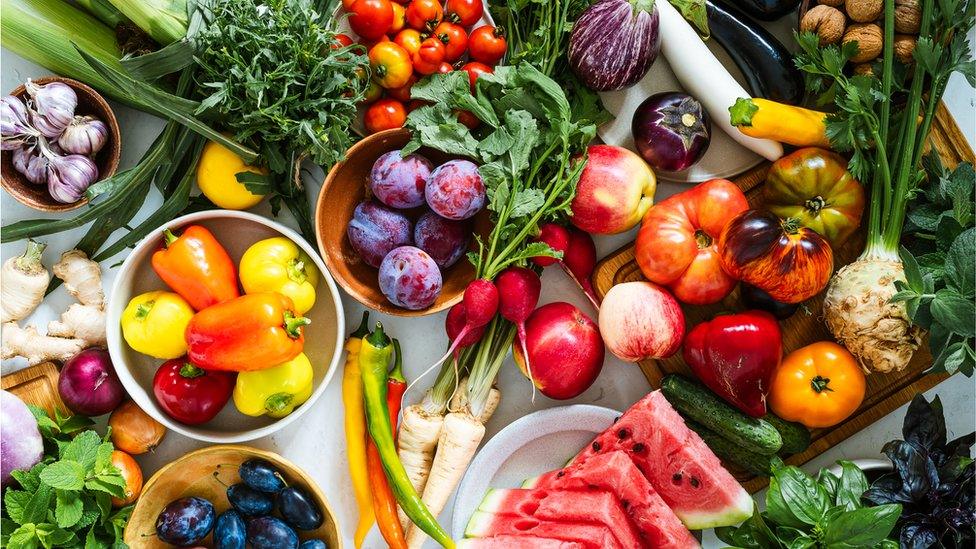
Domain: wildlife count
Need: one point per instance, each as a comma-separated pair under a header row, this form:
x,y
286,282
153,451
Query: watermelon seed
x,y
560,474
676,478
625,503
695,483
596,446
623,433
616,419
639,448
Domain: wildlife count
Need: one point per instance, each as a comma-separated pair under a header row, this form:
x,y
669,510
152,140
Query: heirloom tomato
x,y
424,14
445,68
385,114
402,93
390,64
678,242
465,12
488,44
371,19
429,57
819,385
455,40
814,186
399,18
409,40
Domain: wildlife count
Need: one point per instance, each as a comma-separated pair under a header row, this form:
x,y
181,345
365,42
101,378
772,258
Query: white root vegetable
x,y
80,322
36,348
82,278
460,402
23,281
417,442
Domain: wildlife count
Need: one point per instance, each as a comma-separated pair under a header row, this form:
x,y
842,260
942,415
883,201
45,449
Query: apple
x,y
641,320
565,350
614,191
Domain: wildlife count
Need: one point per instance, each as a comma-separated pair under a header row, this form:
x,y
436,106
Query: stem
x,y
293,324
875,214
169,237
30,262
887,72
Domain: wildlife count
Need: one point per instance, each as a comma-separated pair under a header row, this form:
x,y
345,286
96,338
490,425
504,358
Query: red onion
x,y
88,383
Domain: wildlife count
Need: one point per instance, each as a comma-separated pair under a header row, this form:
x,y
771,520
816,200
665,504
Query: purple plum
x,y
455,190
409,278
374,230
445,240
399,182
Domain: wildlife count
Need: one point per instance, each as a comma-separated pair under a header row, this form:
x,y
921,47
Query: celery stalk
x,y
164,20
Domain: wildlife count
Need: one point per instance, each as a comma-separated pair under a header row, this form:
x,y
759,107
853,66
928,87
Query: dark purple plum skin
x,y
657,128
455,190
444,240
375,229
409,278
399,182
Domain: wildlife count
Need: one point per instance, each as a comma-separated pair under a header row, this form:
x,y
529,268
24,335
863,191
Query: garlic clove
x,y
54,106
84,135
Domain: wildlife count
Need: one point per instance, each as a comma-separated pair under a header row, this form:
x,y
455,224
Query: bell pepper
x,y
355,424
251,332
735,356
274,392
189,394
819,385
373,359
153,324
197,267
279,265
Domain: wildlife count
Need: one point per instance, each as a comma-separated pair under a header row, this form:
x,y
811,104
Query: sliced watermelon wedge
x,y
591,536
617,474
590,507
522,542
678,464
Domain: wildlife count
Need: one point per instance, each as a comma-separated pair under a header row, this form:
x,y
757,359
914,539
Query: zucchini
x,y
755,463
796,437
700,404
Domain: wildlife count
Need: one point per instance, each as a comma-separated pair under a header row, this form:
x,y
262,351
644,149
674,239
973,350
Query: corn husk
x,y
164,20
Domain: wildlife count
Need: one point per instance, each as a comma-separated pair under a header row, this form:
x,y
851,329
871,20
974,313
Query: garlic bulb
x,y
54,107
15,127
84,135
68,177
32,165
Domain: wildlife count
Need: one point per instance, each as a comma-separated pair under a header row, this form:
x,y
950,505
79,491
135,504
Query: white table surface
x,y
317,443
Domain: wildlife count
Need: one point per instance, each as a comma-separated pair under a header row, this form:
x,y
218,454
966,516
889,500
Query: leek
x,y
164,20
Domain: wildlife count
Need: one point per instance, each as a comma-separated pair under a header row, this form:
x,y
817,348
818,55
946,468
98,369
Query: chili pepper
x,y
373,358
197,267
279,265
355,423
274,391
153,323
251,332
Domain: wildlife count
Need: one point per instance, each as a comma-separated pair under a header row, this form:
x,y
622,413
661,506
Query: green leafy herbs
x,y
826,511
932,480
65,500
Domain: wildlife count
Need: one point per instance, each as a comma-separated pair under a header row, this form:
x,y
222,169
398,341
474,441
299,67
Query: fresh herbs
x,y
933,481
65,500
826,511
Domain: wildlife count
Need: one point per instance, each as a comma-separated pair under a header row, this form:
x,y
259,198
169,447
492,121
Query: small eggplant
x,y
671,131
614,43
767,10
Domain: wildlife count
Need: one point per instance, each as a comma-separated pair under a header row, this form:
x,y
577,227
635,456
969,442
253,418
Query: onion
x,y
21,446
88,383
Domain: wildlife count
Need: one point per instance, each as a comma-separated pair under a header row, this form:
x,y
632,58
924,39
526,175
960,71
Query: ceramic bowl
x,y
206,473
236,231
345,187
107,159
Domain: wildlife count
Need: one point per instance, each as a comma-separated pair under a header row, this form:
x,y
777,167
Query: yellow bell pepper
x,y
275,391
279,265
154,324
217,178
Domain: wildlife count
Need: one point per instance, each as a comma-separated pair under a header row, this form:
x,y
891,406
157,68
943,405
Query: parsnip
x,y
23,281
419,432
460,401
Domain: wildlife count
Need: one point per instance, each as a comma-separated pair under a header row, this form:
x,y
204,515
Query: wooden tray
x,y
37,385
885,392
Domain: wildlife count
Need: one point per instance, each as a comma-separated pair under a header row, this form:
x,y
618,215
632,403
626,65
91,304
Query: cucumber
x,y
702,405
796,437
755,463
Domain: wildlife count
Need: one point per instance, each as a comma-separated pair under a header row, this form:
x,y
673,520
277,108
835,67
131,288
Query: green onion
x,y
164,20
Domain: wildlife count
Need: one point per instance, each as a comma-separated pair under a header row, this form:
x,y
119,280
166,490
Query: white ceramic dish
x,y
532,445
236,231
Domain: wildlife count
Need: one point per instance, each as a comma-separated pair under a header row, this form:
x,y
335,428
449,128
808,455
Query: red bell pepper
x,y
197,267
735,356
189,394
251,332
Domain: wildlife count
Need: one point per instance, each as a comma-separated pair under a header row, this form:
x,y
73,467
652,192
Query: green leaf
x,y
794,499
107,483
527,202
24,537
15,502
961,264
256,183
863,527
103,456
953,310
64,475
68,508
912,273
31,479
73,424
39,505
852,484
83,449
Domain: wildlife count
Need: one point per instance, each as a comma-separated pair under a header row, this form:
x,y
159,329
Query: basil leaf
x,y
851,487
795,499
925,423
961,263
863,527
955,311
916,469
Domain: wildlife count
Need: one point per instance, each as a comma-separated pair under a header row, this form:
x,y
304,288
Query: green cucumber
x,y
796,437
755,463
702,405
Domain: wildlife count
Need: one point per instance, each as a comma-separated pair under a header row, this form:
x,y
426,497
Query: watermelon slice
x,y
591,536
678,464
596,507
616,473
523,542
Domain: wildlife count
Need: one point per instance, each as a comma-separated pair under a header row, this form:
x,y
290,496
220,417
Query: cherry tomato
x,y
371,19
415,104
468,119
424,14
342,41
399,18
430,55
465,12
402,93
132,475
474,70
455,39
409,40
487,44
347,4
384,115
390,65
373,92
445,68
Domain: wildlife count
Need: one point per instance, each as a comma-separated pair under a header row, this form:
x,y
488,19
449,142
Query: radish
x,y
518,289
579,260
557,237
454,324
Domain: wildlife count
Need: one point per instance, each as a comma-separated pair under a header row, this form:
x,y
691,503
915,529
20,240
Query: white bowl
x,y
236,231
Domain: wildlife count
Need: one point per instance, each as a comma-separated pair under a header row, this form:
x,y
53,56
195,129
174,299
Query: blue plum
x,y
248,501
299,509
261,475
409,278
185,521
313,544
230,531
271,533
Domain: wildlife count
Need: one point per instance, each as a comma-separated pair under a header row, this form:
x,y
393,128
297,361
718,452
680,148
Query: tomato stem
x,y
815,204
703,239
820,384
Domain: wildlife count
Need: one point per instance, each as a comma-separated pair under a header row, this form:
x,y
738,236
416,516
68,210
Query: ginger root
x,y
82,278
37,348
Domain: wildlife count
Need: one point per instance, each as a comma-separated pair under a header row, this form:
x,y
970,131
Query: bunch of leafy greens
x,y
933,481
826,511
939,255
66,499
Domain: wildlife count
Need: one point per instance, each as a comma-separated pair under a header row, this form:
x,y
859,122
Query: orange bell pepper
x,y
251,332
197,267
819,385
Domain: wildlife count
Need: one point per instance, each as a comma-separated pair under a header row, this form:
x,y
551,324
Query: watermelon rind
x,y
478,524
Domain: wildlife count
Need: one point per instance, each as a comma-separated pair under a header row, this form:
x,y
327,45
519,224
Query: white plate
x,y
532,445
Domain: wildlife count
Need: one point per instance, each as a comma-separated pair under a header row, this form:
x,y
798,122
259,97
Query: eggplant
x,y
614,43
671,131
767,10
766,64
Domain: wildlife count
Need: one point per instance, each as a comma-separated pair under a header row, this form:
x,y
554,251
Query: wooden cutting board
x,y
885,392
37,385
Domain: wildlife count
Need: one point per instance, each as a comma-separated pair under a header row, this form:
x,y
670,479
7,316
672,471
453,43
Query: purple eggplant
x,y
614,43
671,130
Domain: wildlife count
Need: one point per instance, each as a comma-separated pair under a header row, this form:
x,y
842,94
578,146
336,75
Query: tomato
x,y
373,92
409,40
402,94
819,385
342,41
390,65
677,244
789,262
347,4
468,119
371,19
455,39
487,44
132,475
370,44
465,12
399,18
429,57
424,14
445,68
384,115
814,186
415,104
474,70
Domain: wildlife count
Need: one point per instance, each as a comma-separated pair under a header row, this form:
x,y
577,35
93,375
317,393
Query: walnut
x,y
863,11
864,69
834,3
826,21
904,46
908,16
868,38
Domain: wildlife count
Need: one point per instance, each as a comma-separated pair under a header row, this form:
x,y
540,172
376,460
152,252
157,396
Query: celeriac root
x,y
82,278
417,441
23,281
37,348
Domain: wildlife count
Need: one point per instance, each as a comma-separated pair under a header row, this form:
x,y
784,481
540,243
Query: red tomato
x,y
415,104
384,115
409,40
402,93
474,70
399,18
347,4
455,39
487,44
132,475
369,44
465,12
371,19
468,119
424,14
430,56
342,40
390,64
445,68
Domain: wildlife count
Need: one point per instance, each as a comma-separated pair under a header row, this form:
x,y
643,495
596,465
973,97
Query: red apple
x,y
614,191
641,320
565,350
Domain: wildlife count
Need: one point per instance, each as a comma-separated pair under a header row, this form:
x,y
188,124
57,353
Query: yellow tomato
x,y
216,176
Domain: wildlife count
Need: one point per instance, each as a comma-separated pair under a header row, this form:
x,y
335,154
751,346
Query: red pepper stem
x,y
169,237
396,374
363,328
293,324
190,370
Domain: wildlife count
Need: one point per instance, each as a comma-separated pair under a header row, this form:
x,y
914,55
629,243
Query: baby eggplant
x,y
671,131
270,533
299,509
248,501
185,521
261,476
230,531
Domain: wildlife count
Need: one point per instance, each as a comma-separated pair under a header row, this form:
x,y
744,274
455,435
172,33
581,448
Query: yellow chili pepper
x,y
275,391
355,422
765,119
279,265
154,324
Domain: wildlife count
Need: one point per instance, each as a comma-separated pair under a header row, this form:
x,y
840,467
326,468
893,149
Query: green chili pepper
x,y
374,357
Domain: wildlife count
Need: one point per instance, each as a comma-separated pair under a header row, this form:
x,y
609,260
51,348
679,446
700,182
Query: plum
x,y
261,475
249,502
445,240
185,521
299,509
375,229
399,182
409,278
271,533
455,190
